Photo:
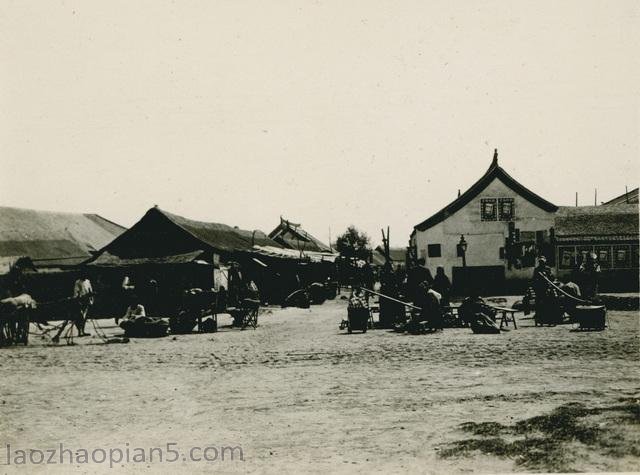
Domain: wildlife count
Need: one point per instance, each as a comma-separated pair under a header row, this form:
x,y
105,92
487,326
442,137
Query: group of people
x,y
141,297
419,287
430,294
553,297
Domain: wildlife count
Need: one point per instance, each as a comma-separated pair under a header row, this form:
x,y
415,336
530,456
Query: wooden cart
x,y
14,327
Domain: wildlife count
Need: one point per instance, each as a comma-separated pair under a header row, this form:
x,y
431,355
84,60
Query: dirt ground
x,y
300,395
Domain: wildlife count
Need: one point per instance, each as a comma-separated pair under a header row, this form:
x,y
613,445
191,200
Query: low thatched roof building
x,y
631,197
611,232
162,237
181,253
597,224
54,239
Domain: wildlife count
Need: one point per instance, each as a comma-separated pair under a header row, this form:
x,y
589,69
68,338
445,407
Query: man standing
x,y
83,293
81,301
546,299
442,285
589,271
541,274
390,312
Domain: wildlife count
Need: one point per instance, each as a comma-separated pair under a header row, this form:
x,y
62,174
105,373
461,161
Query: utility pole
x,y
626,193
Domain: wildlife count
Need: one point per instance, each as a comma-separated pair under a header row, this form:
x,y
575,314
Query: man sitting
x,y
429,302
478,315
135,310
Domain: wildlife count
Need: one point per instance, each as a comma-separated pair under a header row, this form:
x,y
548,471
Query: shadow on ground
x,y
548,442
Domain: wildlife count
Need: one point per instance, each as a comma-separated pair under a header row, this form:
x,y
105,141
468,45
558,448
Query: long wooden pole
x,y
565,293
406,304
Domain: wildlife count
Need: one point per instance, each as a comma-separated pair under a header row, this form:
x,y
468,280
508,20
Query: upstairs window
x,y
505,206
488,209
434,250
497,209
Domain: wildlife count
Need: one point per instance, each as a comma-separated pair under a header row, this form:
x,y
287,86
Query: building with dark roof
x,y
505,226
630,197
611,232
163,237
54,239
181,253
292,236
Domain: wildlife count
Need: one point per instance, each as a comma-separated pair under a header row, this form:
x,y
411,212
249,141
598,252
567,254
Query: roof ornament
x,y
495,158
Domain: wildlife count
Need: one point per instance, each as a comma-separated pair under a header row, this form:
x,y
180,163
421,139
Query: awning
x,y
283,253
107,259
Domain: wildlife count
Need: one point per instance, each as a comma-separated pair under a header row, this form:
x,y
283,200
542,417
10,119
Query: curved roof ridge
x,y
494,171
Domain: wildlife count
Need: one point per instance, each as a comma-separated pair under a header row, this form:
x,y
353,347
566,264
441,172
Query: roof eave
x,y
494,171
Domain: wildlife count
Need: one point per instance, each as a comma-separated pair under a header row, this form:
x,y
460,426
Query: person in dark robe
x,y
235,284
429,303
390,312
415,277
475,313
442,285
589,272
541,275
548,308
368,277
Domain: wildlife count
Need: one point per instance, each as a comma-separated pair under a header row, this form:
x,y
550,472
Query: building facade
x,y
505,227
610,232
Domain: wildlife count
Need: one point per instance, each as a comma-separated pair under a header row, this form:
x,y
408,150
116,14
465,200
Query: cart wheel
x,y
364,330
349,330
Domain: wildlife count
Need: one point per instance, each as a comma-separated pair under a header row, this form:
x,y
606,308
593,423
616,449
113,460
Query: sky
x,y
328,113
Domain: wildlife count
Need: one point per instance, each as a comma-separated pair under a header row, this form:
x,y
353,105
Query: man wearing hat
x,y
589,271
539,282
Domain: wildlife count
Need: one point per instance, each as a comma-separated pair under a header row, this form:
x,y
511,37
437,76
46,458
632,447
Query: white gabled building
x,y
506,226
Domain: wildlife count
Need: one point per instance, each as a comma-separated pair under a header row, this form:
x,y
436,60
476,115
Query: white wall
x,y
484,238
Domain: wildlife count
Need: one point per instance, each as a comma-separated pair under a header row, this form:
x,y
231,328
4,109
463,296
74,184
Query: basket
x,y
358,318
590,317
